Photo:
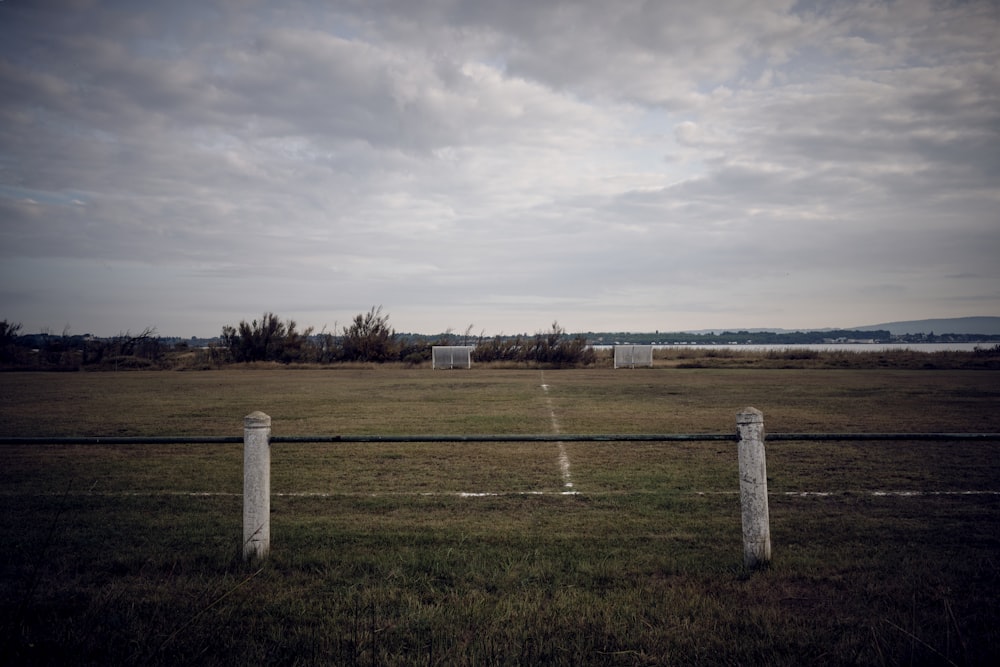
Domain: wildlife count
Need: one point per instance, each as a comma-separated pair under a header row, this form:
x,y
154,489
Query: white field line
x,y
556,428
567,478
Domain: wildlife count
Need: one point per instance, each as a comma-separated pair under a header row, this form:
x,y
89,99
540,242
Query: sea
x,y
828,347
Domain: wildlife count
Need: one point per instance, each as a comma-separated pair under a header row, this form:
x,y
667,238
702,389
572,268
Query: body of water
x,y
829,347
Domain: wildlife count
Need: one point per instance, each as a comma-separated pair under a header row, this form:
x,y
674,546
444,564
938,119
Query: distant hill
x,y
956,325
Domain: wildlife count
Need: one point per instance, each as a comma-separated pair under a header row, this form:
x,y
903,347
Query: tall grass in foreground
x,y
632,572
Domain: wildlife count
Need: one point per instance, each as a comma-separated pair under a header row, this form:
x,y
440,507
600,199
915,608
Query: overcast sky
x,y
621,165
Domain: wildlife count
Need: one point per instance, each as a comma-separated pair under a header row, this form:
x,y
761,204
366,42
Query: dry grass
x,y
395,399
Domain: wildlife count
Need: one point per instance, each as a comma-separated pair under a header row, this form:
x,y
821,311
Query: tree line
x,y
368,338
43,351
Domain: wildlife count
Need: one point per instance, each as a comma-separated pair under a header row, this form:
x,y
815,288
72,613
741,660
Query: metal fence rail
x,y
774,437
125,440
749,438
503,437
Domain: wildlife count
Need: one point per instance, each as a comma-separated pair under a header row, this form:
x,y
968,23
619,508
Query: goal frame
x,y
451,356
632,356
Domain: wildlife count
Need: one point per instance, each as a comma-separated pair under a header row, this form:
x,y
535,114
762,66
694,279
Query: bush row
x,y
369,338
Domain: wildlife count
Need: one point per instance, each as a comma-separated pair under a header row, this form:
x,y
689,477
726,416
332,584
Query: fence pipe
x,y
516,437
523,437
256,485
753,488
257,463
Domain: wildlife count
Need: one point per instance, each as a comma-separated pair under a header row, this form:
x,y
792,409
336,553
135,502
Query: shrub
x,y
370,338
268,339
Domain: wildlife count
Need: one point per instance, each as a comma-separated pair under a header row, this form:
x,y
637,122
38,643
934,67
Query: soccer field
x,y
481,553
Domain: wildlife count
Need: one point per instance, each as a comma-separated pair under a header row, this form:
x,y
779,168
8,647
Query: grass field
x,y
885,553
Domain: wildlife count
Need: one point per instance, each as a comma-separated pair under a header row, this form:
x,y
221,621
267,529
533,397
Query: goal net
x,y
451,356
630,356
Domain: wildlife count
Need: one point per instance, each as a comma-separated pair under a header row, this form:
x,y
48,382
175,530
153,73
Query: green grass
x,y
377,558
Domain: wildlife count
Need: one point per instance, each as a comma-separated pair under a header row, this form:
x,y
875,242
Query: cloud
x,y
604,160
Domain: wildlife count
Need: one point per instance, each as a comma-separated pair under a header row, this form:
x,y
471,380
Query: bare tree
x,y
8,335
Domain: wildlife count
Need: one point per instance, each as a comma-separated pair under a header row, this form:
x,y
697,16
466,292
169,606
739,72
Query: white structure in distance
x,y
630,356
451,356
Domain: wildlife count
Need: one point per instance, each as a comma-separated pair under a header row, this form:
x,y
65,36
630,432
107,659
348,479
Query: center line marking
x,y
556,429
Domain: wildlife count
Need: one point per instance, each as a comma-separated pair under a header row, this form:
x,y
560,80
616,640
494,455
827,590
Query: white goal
x,y
630,356
451,356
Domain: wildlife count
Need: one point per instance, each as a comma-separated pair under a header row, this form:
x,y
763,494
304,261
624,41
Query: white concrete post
x,y
753,488
256,485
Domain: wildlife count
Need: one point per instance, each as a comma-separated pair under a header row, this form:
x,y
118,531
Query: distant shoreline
x,y
819,347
